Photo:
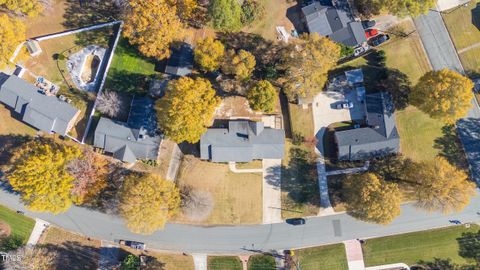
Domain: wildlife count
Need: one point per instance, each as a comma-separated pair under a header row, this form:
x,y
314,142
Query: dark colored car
x,y
377,40
296,221
368,24
133,244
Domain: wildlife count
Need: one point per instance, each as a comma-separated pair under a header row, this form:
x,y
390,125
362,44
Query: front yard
x,y
16,225
224,262
323,258
413,247
237,196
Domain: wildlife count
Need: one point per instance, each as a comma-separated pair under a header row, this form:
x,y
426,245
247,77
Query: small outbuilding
x,y
33,47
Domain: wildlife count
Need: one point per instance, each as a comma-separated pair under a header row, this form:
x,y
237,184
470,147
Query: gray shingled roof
x,y
46,113
242,141
334,23
180,62
125,143
381,131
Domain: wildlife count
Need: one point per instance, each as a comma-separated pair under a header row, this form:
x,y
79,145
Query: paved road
x,y
244,239
442,54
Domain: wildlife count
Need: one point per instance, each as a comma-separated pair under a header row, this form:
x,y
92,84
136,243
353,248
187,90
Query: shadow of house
x,y
476,16
468,130
294,15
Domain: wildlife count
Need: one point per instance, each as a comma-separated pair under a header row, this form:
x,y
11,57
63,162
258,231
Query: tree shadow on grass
x,y
127,82
450,147
73,255
469,244
441,264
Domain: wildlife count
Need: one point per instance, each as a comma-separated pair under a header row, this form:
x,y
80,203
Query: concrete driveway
x,y
272,193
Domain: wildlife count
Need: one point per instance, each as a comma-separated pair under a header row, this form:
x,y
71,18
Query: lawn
x,y
301,120
261,262
300,194
9,125
323,258
224,263
20,225
256,164
168,261
471,61
129,70
237,196
413,247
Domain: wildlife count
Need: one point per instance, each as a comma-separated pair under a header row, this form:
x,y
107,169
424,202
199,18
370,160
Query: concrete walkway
x,y
469,48
40,226
200,261
108,255
350,170
272,194
353,248
174,164
233,168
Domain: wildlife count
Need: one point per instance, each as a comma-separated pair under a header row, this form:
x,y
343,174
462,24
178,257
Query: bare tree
x,y
31,258
110,103
196,205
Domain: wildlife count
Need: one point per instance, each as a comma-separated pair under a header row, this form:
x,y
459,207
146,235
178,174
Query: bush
x,y
297,138
11,242
345,50
251,10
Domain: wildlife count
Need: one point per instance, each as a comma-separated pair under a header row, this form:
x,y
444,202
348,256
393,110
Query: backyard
x,y
237,196
16,225
414,247
322,258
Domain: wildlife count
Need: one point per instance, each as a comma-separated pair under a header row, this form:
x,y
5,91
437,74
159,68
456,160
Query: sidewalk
x,y
40,226
353,248
200,261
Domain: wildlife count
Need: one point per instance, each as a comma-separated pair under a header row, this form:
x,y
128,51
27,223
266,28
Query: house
x,y
180,62
46,113
242,141
132,140
124,142
379,137
333,23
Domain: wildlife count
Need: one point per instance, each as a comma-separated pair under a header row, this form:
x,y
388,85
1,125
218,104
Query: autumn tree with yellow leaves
x,y
438,186
22,7
262,96
152,25
371,199
187,109
39,174
12,33
444,95
305,66
240,64
147,202
209,54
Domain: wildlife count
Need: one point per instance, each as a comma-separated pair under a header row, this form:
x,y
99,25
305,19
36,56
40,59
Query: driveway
x,y
272,193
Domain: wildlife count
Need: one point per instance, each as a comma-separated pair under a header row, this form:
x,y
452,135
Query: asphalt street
x,y
246,239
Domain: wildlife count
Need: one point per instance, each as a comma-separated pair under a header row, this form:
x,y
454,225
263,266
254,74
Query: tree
x,y
32,258
262,96
152,25
402,8
147,202
12,33
240,64
187,108
186,8
131,262
209,54
469,245
437,185
226,15
90,172
110,103
371,199
444,95
39,174
23,7
306,64
196,205
252,10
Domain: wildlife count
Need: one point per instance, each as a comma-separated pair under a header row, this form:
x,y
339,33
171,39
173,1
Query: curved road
x,y
245,239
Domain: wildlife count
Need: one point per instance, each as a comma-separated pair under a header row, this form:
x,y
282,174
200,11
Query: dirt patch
x,y
236,107
90,68
5,229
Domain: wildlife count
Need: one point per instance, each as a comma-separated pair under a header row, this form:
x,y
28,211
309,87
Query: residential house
x,y
180,62
46,113
242,141
334,23
379,137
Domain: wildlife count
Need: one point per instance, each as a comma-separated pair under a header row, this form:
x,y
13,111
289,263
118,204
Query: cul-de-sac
x,y
240,134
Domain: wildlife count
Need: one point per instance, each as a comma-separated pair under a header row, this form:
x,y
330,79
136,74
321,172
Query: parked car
x,y
379,39
344,105
133,244
369,33
296,221
368,24
358,51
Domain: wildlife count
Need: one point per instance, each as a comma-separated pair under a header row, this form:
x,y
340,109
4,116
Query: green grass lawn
x,y
261,262
129,69
224,263
471,61
20,225
331,257
413,247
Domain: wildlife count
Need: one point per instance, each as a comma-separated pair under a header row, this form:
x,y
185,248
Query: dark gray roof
x,y
333,23
124,142
46,113
180,62
242,141
380,133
